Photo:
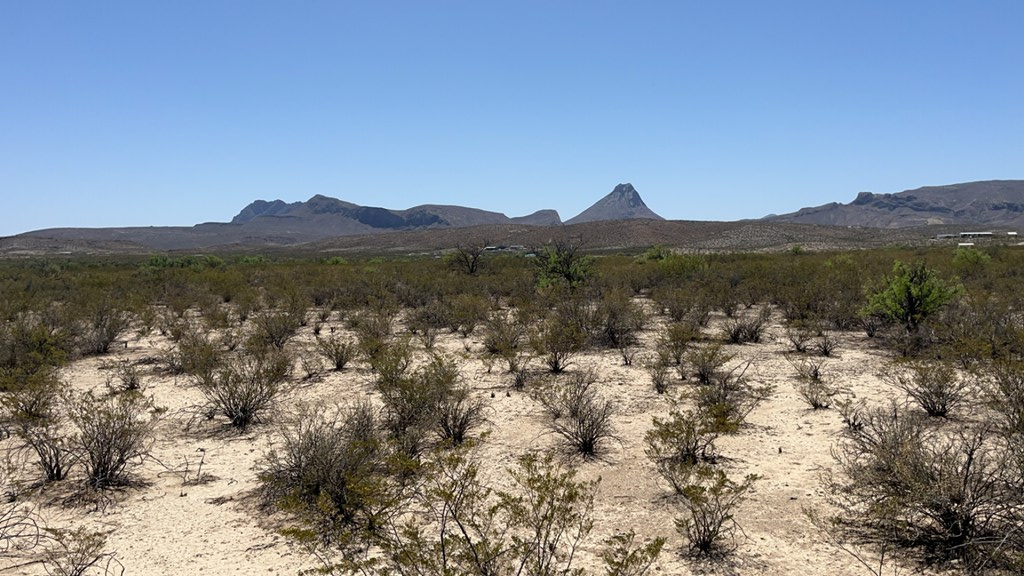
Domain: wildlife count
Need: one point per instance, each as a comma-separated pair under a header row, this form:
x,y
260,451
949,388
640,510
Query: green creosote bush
x,y
955,496
194,353
311,361
935,386
35,414
112,432
331,467
466,312
503,336
729,398
579,415
244,388
624,558
679,443
1004,394
557,342
468,527
102,320
658,369
674,342
276,328
338,350
458,414
710,501
619,320
707,361
123,376
740,330
814,384
79,552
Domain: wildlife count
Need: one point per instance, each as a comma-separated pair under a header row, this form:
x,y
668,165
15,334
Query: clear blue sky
x,y
174,113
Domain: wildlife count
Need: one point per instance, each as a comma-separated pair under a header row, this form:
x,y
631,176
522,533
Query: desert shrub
x,y
466,312
852,412
467,527
826,344
1004,394
34,412
33,342
729,397
557,342
194,353
32,398
710,501
503,330
579,415
20,527
687,305
373,330
412,404
123,376
426,320
79,552
674,342
246,387
332,466
111,433
391,362
658,370
276,327
747,329
339,351
622,558
800,336
458,414
311,361
618,320
956,497
679,443
707,361
935,386
814,384
102,320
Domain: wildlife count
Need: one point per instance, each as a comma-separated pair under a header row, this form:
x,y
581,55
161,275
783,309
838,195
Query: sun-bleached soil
x,y
183,520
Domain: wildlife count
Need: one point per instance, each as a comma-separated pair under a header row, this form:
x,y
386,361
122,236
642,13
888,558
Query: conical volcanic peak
x,y
623,203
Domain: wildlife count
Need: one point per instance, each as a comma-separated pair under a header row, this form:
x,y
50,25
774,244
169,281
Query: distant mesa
x,y
988,203
623,203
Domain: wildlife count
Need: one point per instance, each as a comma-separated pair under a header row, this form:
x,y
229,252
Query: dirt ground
x,y
172,524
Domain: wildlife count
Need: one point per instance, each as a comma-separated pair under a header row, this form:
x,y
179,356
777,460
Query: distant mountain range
x,y
619,219
276,222
997,203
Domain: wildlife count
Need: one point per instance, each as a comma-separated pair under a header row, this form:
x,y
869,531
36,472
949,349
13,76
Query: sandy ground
x,y
172,525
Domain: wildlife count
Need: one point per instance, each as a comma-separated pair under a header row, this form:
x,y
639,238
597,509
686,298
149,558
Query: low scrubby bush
x,y
814,384
339,351
246,387
935,386
331,465
679,443
579,415
957,497
747,329
710,500
111,433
